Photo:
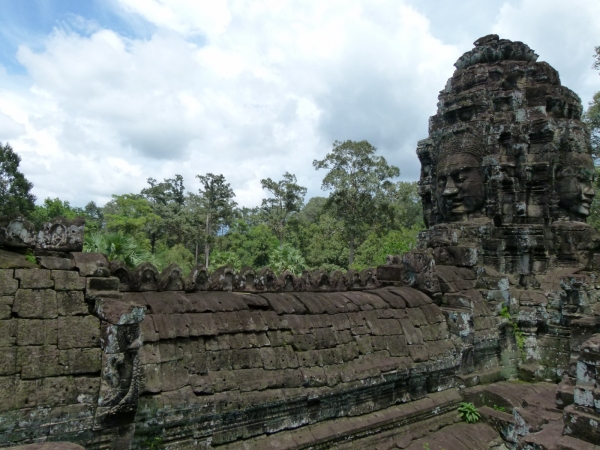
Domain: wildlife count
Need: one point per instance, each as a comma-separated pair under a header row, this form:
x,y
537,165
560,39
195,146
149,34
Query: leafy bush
x,y
116,247
288,258
468,412
177,254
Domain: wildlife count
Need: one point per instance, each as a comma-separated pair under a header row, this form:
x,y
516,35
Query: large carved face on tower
x,y
460,188
575,186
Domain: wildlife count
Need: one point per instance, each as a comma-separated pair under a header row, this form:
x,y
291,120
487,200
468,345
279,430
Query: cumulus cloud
x,y
247,89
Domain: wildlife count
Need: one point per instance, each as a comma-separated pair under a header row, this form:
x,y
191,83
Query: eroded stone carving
x,y
58,235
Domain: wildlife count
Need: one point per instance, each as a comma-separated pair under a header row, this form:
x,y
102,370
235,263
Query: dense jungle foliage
x,y
366,216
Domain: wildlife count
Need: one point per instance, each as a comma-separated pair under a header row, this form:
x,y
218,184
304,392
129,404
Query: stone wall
x,y
50,352
90,364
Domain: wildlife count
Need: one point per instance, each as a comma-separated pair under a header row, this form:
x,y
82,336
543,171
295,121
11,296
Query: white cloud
x,y
247,89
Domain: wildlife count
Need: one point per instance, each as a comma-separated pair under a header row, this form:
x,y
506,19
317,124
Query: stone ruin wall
x,y
87,363
503,285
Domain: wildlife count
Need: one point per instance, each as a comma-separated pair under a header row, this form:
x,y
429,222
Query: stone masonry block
x,y
38,361
55,263
103,284
91,264
8,386
80,360
37,332
8,285
34,279
151,374
8,333
174,375
78,332
35,304
8,359
71,303
65,280
6,303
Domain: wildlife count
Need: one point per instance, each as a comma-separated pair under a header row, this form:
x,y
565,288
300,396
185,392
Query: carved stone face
x,y
460,188
575,186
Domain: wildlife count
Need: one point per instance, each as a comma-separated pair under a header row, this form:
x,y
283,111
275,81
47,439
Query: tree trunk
x,y
153,242
351,255
206,242
196,252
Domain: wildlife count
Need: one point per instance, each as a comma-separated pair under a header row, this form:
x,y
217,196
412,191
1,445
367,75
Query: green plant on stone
x,y
153,443
468,412
500,408
29,256
519,336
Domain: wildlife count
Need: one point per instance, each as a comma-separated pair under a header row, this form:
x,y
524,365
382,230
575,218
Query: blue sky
x,y
97,96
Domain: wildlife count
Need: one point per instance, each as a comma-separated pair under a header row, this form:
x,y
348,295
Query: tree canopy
x,y
15,195
359,182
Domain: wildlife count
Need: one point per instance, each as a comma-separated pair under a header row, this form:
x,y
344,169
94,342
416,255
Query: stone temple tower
x,y
507,168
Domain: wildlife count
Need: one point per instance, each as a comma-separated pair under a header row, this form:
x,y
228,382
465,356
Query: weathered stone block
x,y
38,361
8,333
149,354
201,325
151,374
364,343
309,358
330,357
71,303
418,353
413,335
103,284
149,332
246,358
91,264
80,360
34,279
396,345
77,332
393,273
87,389
8,357
313,376
67,280
169,351
174,375
37,332
197,363
55,263
8,387
8,285
6,307
35,304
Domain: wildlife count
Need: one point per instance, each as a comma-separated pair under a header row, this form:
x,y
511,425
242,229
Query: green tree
x,y
94,217
216,199
406,205
317,234
15,190
376,247
592,116
359,181
251,244
52,208
129,214
288,197
167,200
